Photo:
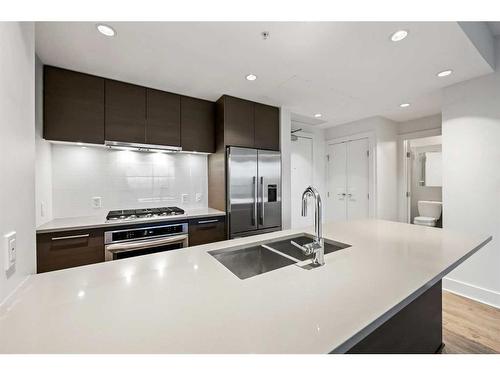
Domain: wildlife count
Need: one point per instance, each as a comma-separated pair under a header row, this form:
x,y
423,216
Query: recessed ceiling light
x,y
445,73
399,35
251,77
106,30
318,115
404,105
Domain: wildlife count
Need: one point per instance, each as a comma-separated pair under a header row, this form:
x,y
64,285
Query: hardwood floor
x,y
469,327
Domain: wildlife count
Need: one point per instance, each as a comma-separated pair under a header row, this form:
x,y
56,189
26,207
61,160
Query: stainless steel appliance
x,y
126,243
253,191
144,213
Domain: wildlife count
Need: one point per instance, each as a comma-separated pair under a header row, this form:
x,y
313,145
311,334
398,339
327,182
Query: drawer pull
x,y
70,237
208,221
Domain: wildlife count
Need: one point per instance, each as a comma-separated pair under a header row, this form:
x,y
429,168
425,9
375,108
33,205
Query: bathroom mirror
x,y
432,175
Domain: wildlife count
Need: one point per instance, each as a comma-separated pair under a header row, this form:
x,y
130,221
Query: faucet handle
x,y
307,249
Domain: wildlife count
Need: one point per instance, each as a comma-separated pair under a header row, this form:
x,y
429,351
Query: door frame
x,y
404,177
372,167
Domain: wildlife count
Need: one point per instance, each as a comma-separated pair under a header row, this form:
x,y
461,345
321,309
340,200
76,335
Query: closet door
x,y
357,179
337,176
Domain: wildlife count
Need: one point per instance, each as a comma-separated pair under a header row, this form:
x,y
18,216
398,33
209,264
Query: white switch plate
x,y
198,197
96,202
10,249
184,198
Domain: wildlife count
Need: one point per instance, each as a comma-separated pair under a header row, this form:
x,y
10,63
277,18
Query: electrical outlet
x,y
10,250
42,209
198,197
184,198
96,202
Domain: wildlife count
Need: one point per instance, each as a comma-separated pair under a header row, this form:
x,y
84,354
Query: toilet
x,y
429,211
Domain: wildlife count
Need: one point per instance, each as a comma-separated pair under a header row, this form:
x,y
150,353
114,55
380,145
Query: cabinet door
x,y
125,112
206,230
59,250
163,119
197,125
267,127
238,122
73,106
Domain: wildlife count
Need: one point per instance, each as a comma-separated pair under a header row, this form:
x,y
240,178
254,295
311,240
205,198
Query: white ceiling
x,y
344,70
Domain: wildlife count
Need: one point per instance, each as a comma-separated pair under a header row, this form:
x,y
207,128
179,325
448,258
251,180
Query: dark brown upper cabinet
x,y
73,106
267,130
125,108
197,125
163,118
83,108
238,122
247,124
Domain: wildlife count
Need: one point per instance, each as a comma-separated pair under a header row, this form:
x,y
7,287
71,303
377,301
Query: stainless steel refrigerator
x,y
253,191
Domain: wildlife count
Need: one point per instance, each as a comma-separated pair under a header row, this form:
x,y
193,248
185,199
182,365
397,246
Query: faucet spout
x,y
317,246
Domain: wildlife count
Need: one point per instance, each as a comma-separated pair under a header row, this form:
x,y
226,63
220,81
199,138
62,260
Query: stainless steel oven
x,y
126,243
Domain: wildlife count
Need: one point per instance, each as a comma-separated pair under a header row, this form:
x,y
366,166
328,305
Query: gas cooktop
x,y
144,213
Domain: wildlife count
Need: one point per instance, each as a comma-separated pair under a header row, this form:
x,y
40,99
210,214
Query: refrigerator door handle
x,y
254,210
262,213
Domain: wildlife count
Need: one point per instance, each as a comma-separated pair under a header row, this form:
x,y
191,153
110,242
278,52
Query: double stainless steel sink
x,y
269,256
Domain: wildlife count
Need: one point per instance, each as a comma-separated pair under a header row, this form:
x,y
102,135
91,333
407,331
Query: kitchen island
x,y
185,301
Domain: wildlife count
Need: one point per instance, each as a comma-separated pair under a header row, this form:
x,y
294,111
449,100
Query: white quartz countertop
x,y
185,301
86,222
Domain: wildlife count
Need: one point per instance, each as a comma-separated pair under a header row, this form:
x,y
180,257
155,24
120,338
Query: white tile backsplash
x,y
124,179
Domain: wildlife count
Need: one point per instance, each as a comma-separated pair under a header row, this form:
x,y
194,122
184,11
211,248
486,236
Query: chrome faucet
x,y
317,246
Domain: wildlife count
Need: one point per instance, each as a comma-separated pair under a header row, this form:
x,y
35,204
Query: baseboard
x,y
489,297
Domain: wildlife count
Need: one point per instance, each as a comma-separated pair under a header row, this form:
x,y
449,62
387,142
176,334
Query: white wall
x,y
124,179
471,180
43,153
17,148
420,124
386,178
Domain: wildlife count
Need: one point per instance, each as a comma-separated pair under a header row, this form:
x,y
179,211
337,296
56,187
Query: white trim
x,y
403,177
476,293
372,167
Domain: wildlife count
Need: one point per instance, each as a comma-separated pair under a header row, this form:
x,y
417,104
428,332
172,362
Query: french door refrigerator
x,y
253,191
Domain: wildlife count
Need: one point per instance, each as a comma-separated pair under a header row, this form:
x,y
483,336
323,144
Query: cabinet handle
x,y
70,237
208,221
262,214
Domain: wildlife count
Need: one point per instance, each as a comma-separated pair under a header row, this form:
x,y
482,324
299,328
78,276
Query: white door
x,y
357,179
348,180
337,175
301,177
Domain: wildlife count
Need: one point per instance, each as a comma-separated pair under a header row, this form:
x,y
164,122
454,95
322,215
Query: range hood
x,y
141,146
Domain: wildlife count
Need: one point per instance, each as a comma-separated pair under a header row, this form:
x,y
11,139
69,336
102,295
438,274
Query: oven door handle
x,y
137,245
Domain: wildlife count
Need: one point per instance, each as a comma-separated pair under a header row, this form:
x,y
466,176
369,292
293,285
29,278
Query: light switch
x,y
184,198
10,250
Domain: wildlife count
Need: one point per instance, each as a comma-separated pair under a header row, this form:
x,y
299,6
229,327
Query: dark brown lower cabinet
x,y
207,230
59,250
415,329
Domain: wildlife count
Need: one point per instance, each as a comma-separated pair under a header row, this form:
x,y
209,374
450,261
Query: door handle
x,y
262,214
254,207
